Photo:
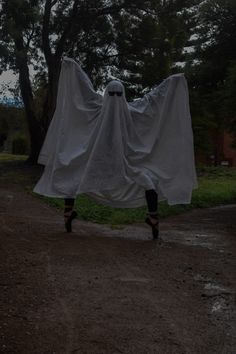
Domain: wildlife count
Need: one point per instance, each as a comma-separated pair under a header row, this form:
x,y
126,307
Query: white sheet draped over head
x,y
113,150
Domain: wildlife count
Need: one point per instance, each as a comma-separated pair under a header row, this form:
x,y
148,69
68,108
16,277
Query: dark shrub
x,y
19,145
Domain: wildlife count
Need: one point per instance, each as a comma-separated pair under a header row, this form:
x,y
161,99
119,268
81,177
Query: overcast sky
x,y
7,78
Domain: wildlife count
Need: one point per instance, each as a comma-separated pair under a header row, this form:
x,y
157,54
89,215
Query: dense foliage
x,y
139,42
211,69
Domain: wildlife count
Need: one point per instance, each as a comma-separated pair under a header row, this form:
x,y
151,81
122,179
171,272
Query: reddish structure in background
x,y
223,155
228,151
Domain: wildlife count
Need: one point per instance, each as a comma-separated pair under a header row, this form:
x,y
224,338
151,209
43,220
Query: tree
x,y
211,67
138,37
230,99
149,50
18,20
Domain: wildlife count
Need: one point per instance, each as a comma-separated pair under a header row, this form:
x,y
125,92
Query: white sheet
x,y
113,150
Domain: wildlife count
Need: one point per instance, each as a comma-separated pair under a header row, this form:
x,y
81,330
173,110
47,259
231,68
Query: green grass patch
x,y
217,186
4,157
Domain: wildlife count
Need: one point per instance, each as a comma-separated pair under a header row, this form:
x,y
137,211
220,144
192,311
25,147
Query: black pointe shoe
x,y
68,222
154,226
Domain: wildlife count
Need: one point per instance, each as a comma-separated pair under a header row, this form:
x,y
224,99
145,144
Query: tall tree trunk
x,y
35,131
49,104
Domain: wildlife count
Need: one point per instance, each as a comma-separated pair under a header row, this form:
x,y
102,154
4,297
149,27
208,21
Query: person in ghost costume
x,y
122,154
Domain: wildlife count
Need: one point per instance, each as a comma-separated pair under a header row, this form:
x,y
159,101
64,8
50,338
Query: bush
x,y
20,145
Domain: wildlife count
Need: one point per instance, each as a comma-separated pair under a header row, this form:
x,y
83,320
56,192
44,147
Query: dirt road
x,y
115,291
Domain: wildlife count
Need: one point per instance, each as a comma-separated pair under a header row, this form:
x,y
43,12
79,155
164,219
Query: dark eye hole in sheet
x,y
112,93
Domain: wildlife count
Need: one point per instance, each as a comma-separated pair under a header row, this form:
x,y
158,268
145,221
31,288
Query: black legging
x,y
152,201
151,198
69,203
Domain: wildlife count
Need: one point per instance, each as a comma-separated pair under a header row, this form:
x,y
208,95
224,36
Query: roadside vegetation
x,y
217,186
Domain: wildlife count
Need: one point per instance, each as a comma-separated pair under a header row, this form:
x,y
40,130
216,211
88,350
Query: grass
x,y
9,158
217,186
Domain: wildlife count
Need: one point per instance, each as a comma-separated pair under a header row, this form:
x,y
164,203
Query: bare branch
x,y
45,31
30,37
54,3
67,31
